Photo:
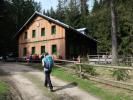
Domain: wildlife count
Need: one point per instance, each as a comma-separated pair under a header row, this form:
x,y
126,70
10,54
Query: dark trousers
x,y
47,79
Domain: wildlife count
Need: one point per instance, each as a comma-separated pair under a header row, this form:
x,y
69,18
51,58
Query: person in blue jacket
x,y
48,63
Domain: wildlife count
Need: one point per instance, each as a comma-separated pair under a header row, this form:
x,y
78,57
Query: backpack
x,y
49,62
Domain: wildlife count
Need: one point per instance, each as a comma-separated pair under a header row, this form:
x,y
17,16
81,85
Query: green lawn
x,y
89,86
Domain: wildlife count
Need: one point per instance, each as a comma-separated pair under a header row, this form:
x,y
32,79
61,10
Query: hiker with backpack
x,y
48,63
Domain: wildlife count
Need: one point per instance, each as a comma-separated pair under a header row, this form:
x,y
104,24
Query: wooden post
x,y
98,59
80,71
131,61
128,61
106,59
88,58
79,60
80,67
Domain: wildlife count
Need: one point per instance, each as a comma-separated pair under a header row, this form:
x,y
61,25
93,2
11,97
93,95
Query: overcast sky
x,y
47,4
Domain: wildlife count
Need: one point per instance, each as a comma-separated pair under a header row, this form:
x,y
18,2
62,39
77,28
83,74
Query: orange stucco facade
x,y
48,40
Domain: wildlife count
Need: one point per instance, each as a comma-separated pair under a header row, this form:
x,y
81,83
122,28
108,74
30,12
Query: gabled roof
x,y
52,20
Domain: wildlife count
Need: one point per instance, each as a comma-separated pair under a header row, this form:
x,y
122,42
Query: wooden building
x,y
44,34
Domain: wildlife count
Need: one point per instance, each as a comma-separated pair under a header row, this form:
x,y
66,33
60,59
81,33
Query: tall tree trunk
x,y
113,33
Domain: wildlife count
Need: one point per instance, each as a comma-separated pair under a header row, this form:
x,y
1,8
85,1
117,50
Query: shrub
x,y
120,74
90,69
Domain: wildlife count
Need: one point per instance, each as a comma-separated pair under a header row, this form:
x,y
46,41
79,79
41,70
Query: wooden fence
x,y
114,83
107,59
80,72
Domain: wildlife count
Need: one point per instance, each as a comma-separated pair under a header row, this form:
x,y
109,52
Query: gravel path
x,y
22,76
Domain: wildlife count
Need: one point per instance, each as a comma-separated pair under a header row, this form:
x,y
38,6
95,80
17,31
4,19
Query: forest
x,y
76,13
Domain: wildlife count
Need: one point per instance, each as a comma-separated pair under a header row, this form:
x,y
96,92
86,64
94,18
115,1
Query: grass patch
x,y
3,88
4,91
87,85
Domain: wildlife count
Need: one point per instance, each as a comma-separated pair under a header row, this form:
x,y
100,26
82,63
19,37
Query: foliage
x,y
72,14
125,28
98,22
60,11
13,15
85,68
120,74
100,25
90,69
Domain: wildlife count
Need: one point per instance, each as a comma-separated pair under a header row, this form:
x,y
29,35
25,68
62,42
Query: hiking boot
x,y
45,85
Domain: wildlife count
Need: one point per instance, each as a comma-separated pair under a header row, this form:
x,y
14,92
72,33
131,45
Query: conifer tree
x,y
14,14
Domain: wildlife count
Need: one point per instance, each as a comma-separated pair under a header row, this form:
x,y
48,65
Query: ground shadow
x,y
70,85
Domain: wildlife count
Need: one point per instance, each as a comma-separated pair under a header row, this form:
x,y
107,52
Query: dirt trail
x,y
22,77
